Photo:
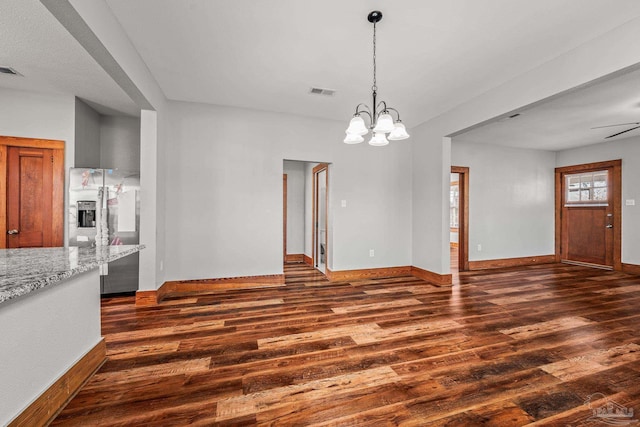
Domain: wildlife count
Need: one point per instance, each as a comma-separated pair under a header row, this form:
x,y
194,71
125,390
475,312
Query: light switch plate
x,y
630,202
343,203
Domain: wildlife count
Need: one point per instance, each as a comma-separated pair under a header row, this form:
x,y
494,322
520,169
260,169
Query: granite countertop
x,y
25,270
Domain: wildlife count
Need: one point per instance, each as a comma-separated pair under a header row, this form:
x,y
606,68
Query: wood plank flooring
x,y
541,345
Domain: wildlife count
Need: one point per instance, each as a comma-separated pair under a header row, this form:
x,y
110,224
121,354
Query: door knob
x,y
14,231
609,225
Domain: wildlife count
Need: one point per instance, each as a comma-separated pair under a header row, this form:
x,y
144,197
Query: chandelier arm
x,y
366,110
396,111
368,114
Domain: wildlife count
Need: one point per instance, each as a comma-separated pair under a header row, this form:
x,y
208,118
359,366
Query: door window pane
x,y
600,179
574,196
600,194
587,188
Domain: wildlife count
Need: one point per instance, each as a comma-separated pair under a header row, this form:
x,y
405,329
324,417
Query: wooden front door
x,y
590,217
34,197
585,236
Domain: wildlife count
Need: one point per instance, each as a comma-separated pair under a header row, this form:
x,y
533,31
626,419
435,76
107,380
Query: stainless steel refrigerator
x,y
107,200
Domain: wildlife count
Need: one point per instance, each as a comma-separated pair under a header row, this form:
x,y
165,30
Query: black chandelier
x,y
381,122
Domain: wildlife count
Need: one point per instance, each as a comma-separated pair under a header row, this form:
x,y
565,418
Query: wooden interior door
x,y
320,216
34,197
590,220
284,218
463,216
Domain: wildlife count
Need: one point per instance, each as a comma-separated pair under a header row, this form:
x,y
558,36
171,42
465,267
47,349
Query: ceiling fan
x,y
621,124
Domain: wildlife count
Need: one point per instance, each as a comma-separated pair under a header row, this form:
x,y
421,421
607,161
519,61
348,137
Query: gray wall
x,y
106,141
120,143
87,135
628,150
224,192
295,172
511,200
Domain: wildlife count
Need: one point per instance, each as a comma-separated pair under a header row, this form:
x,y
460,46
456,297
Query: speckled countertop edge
x,y
27,270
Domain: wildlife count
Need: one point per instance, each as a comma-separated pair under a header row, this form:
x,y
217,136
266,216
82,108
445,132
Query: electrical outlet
x,y
343,203
371,252
479,247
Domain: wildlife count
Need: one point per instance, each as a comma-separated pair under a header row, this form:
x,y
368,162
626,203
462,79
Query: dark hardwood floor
x,y
542,345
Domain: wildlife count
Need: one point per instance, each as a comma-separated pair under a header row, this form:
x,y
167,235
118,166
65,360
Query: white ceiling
x,y
432,56
50,60
566,121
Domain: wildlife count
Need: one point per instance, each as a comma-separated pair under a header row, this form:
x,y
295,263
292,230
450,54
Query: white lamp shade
x,y
384,123
357,127
352,138
378,140
398,133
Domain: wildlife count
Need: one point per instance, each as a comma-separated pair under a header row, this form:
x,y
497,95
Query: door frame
x,y
463,216
615,188
284,217
58,217
314,225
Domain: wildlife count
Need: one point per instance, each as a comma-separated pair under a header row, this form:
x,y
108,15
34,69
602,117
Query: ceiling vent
x,y
509,117
9,70
321,91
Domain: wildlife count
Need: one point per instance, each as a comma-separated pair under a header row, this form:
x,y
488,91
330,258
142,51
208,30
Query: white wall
x,y
43,335
151,200
511,200
295,205
379,196
228,163
87,136
40,115
628,150
432,148
120,143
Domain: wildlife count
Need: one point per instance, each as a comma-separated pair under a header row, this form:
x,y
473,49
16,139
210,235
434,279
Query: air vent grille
x,y
509,117
322,91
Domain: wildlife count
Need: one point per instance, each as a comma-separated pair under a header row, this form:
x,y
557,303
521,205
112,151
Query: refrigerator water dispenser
x,y
86,213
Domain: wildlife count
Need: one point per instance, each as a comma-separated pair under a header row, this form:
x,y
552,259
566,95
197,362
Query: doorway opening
x,y
305,186
459,218
589,214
